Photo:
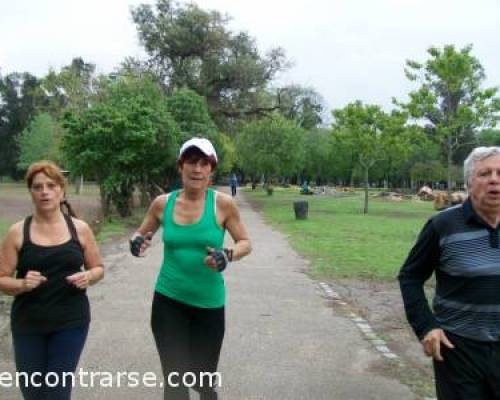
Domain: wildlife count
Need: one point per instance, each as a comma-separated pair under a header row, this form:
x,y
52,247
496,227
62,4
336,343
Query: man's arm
x,y
418,267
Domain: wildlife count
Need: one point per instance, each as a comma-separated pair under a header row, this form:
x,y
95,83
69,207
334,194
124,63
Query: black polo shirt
x,y
463,252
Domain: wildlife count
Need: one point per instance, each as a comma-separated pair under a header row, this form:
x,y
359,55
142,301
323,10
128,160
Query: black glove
x,y
135,245
222,257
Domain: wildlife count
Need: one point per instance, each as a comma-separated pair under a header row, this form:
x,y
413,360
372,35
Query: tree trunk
x,y
121,198
365,210
450,164
79,185
105,202
145,199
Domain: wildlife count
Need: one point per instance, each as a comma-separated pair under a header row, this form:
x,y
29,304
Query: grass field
x,y
114,226
339,239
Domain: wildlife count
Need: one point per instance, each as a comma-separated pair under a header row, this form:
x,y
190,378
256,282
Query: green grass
x,y
114,226
111,227
339,239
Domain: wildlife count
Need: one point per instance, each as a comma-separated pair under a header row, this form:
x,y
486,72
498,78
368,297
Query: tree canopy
x,y
126,138
371,134
450,100
40,140
193,48
17,107
272,146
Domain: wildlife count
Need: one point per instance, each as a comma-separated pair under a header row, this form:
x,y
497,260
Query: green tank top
x,y
183,275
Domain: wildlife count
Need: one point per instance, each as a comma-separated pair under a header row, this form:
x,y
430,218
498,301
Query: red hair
x,y
51,170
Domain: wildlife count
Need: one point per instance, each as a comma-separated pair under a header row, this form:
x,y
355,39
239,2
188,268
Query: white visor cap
x,y
202,144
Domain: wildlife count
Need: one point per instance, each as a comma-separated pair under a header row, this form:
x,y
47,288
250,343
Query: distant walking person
x,y
461,247
187,315
233,181
47,262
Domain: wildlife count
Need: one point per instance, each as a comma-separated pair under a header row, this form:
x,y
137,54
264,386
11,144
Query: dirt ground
x,y
380,303
15,207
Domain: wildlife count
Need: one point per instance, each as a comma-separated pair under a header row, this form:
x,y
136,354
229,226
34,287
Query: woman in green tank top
x,y
187,316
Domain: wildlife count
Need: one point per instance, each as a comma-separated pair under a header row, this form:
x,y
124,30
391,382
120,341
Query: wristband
x,y
135,245
222,258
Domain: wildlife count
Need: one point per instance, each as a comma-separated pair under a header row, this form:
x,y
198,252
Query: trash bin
x,y
300,208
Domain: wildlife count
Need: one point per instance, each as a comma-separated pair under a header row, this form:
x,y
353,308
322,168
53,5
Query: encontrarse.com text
x,y
93,379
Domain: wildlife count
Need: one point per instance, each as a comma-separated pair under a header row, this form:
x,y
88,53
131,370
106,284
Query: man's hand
x,y
139,244
432,343
217,259
32,280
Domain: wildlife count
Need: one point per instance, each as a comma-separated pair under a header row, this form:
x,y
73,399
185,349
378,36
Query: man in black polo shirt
x,y
461,246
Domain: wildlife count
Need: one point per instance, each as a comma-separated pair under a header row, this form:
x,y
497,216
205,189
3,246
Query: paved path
x,y
282,339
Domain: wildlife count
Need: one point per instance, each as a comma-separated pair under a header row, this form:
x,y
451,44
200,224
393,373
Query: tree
x,y
39,141
17,106
318,154
450,99
191,113
489,137
228,151
371,134
193,48
431,171
72,89
421,150
302,104
407,143
127,138
271,146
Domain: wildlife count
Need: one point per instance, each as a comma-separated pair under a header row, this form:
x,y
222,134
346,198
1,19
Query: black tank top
x,y
55,304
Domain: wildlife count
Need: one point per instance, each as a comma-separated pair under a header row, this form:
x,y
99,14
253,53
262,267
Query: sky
x,y
345,49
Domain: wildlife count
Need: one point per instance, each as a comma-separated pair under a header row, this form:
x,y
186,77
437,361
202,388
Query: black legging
x,y
188,339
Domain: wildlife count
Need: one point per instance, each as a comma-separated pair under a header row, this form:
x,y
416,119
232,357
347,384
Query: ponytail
x,y
69,209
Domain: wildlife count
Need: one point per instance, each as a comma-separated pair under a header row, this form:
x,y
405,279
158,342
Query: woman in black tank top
x,y
48,261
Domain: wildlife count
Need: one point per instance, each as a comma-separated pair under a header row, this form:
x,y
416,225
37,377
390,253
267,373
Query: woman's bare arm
x,y
235,227
8,262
